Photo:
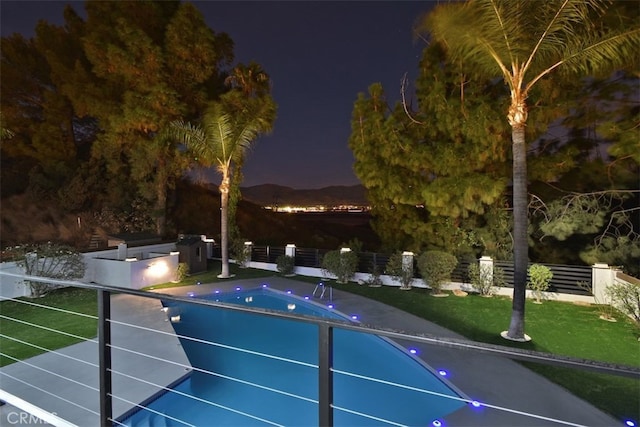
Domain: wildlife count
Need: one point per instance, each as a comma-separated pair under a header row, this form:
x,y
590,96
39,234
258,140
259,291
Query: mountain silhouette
x,y
272,195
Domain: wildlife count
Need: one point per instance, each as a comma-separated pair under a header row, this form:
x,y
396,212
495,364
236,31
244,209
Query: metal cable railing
x,y
326,371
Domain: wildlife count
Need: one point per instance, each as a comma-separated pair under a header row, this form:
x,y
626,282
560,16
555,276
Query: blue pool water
x,y
240,403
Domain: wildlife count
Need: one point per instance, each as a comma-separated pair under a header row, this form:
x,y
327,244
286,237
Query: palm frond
x,y
191,136
533,36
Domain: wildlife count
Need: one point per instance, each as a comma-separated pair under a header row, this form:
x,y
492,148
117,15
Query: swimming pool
x,y
248,388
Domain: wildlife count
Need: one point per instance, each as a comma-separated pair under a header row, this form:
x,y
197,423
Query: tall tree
x,y
524,42
220,141
432,177
246,82
150,63
42,119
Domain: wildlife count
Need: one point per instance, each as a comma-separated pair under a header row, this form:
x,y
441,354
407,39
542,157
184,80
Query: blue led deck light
x,y
306,297
238,288
443,373
191,294
330,306
630,423
289,291
413,351
264,285
436,423
217,291
354,317
476,404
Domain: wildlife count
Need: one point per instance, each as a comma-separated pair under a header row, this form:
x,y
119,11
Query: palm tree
x,y
220,141
247,84
524,41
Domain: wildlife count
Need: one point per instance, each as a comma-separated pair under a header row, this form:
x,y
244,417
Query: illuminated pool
x,y
249,388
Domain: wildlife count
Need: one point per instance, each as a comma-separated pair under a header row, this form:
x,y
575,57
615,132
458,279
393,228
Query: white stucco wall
x,y
155,264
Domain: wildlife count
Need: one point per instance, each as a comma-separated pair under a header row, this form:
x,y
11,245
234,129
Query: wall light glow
x,y
157,269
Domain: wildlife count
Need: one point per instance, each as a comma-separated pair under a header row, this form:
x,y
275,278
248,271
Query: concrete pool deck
x,y
509,391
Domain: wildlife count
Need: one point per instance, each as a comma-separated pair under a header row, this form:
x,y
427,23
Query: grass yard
x,y
211,276
25,309
556,327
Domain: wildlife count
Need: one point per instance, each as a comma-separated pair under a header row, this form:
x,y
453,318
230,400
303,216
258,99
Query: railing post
x,y
325,379
104,357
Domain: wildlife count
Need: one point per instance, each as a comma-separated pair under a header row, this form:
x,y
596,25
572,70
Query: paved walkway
x,y
508,390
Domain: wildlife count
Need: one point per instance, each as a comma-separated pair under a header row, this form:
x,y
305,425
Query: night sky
x,y
319,55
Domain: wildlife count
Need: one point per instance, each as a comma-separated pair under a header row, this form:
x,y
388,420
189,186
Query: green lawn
x,y
556,327
71,299
211,276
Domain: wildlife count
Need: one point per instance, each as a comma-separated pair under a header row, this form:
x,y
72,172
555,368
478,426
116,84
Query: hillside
x,y
270,195
195,209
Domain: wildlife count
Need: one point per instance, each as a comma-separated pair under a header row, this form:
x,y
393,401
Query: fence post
x,y
248,251
601,278
485,267
104,357
290,250
407,261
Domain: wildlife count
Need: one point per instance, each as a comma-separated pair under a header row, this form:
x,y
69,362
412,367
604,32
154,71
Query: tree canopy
x,y
87,105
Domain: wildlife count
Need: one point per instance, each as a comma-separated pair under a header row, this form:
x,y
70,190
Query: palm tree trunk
x,y
224,225
520,225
